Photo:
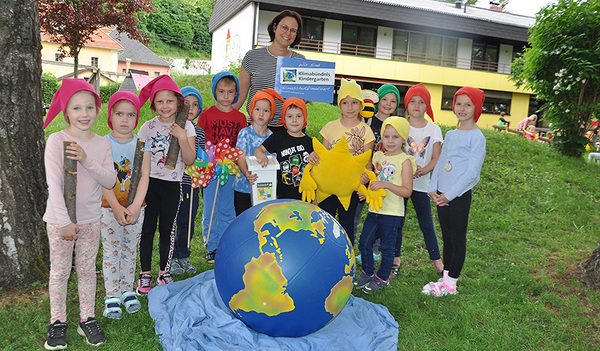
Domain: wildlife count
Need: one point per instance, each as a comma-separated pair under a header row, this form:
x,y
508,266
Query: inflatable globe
x,y
285,268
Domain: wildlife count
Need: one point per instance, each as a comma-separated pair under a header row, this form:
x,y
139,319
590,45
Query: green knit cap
x,y
385,89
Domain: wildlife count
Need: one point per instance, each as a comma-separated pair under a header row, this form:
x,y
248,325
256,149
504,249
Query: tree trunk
x,y
76,66
591,269
23,193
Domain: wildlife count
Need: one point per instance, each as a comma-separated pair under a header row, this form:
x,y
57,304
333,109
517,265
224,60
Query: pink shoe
x,y
144,284
431,285
442,290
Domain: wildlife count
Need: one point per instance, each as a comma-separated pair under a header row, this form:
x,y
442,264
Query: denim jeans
x,y
386,228
422,206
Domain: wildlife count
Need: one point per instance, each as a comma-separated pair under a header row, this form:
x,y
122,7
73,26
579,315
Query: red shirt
x,y
219,125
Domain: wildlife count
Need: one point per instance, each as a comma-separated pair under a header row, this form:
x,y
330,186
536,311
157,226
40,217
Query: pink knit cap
x,y
123,95
162,82
64,93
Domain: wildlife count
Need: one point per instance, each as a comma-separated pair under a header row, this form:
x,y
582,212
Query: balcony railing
x,y
396,55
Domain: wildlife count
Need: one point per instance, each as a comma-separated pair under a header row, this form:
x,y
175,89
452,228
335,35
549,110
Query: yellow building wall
x,y
435,78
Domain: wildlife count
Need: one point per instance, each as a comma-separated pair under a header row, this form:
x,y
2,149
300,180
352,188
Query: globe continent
x,y
285,268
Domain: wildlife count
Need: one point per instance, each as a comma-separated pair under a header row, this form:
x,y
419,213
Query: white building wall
x,y
505,58
241,30
332,36
463,54
385,42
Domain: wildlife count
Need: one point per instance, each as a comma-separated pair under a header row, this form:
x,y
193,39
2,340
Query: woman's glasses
x,y
285,28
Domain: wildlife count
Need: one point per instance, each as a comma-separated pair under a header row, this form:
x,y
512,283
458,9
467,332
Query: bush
x,y
107,90
49,87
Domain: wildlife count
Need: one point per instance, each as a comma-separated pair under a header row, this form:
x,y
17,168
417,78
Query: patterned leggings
x,y
119,247
61,261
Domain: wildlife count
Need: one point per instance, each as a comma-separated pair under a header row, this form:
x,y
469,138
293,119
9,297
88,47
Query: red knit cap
x,y
477,97
294,101
265,94
123,95
64,93
419,90
157,84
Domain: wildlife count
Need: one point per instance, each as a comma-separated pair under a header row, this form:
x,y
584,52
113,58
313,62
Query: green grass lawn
x,y
534,219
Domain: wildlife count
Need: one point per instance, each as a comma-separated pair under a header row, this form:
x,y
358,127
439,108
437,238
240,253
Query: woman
x,y
258,66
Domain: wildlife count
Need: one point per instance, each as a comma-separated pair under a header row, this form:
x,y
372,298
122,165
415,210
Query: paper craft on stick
x,y
323,180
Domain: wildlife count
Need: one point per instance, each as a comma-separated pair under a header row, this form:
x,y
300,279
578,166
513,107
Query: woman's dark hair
x,y
275,21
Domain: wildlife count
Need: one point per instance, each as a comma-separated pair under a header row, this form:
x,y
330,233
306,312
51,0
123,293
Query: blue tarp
x,y
190,315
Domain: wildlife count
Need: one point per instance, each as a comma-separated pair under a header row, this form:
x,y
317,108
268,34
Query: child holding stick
x,y
455,174
164,188
187,211
123,206
80,106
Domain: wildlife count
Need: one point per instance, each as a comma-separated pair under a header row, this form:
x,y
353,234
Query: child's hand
x,y
68,232
419,172
376,185
364,178
133,213
313,158
252,177
438,199
76,152
178,132
262,160
121,213
361,196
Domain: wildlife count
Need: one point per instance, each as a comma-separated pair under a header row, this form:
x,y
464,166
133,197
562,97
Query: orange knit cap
x,y
294,101
477,97
419,90
265,94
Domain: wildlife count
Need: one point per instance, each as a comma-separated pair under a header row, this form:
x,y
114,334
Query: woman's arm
x,y
244,88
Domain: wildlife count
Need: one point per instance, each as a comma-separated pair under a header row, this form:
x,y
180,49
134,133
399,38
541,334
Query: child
x,y
291,146
502,122
180,263
389,101
425,139
456,173
262,108
121,226
360,139
164,188
221,123
80,106
394,169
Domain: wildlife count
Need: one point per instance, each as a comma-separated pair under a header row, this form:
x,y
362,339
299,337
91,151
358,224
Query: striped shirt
x,y
261,65
200,143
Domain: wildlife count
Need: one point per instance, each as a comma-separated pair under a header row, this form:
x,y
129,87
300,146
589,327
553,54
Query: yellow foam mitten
x,y
307,185
374,197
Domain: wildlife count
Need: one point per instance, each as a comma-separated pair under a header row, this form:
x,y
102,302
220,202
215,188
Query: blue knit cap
x,y
217,77
189,90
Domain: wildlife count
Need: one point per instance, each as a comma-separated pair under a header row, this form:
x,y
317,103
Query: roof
x,y
99,39
426,15
136,51
134,82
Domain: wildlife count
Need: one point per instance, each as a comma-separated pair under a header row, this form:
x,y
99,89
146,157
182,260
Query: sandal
x,y
112,309
395,271
130,301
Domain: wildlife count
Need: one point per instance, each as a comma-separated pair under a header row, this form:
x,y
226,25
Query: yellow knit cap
x,y
399,123
350,88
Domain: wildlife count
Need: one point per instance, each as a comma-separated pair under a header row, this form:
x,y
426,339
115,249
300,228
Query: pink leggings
x,y
61,260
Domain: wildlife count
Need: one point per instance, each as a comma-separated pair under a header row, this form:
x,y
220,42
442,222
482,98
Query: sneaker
x,y
112,308
176,267
431,285
210,256
187,266
375,284
165,278
57,336
363,280
441,289
144,284
130,301
92,332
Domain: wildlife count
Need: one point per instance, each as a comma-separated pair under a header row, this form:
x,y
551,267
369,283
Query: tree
x,y
562,66
23,244
72,22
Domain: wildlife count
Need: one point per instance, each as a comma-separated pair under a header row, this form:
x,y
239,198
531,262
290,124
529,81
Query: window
x,y
484,56
400,45
94,62
156,74
495,101
358,40
424,48
312,36
57,58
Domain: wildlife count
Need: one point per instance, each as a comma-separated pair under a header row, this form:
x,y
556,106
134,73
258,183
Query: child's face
x,y
416,107
194,106
165,104
387,104
261,113
81,111
464,109
350,107
294,119
392,141
225,93
123,117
